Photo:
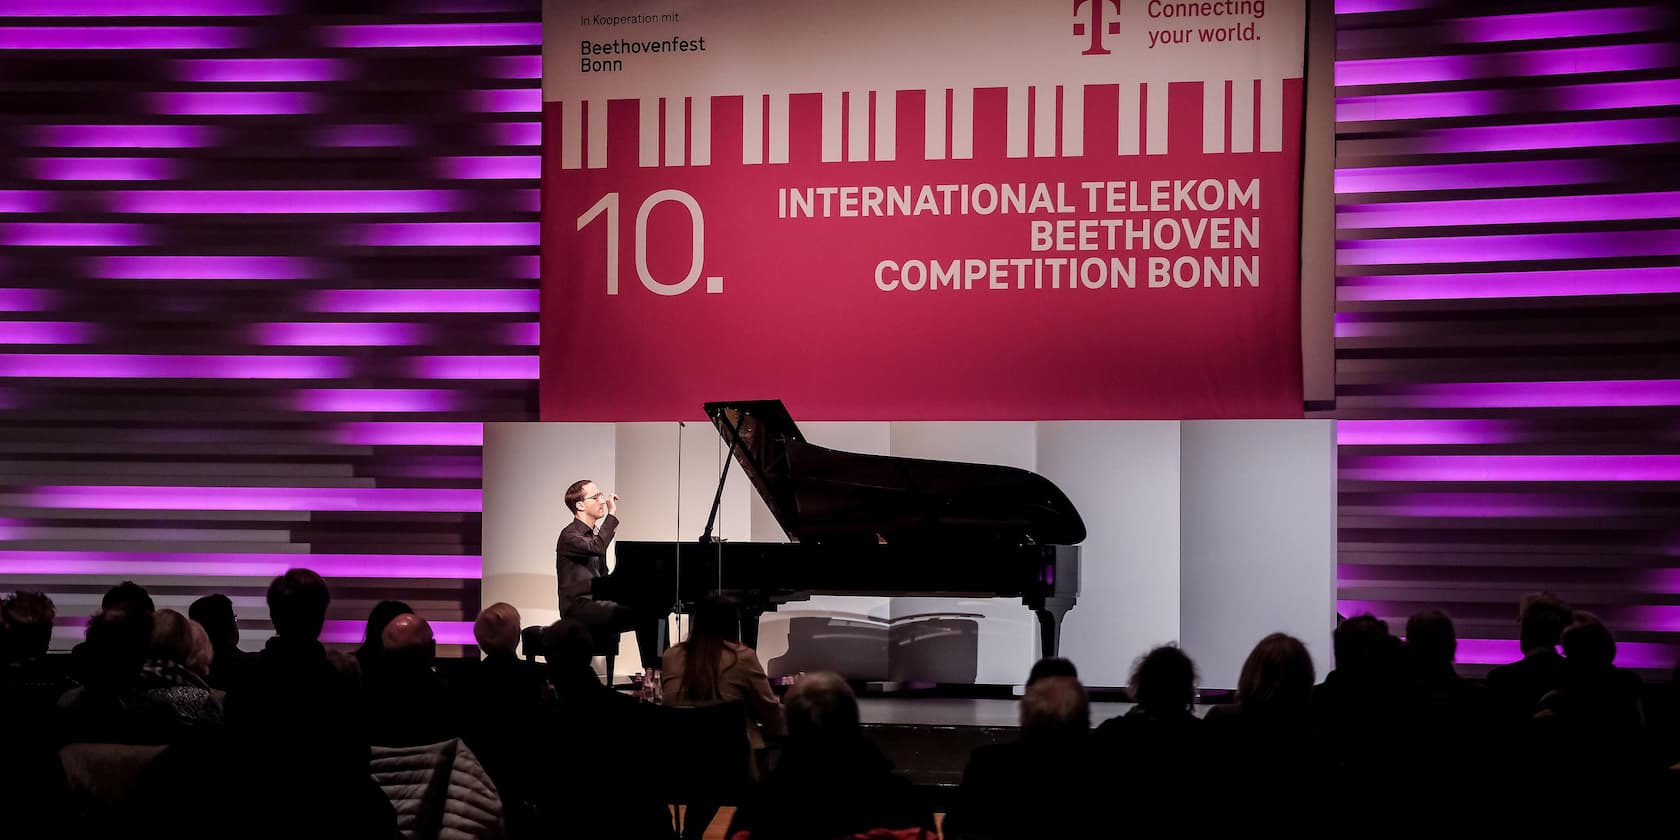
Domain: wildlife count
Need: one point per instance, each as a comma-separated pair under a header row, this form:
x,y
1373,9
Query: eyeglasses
x,y
595,498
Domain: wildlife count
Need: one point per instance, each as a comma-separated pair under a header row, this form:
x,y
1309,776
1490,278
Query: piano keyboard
x,y
864,125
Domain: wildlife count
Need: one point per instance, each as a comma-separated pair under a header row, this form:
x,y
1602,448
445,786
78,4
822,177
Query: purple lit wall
x,y
264,273
1508,327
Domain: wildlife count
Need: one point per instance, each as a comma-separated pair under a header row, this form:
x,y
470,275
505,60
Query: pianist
x,y
580,556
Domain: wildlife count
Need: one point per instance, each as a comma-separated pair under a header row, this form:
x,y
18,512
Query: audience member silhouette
x,y
1264,745
831,781
296,738
1043,784
230,667
173,674
31,778
1157,746
1517,688
595,754
373,638
501,702
405,703
1596,717
1447,719
1051,666
111,706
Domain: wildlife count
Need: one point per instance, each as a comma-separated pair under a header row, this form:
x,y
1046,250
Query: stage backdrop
x,y
940,210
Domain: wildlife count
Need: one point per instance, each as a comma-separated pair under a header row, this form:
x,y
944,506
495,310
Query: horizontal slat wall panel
x,y
267,268
1508,328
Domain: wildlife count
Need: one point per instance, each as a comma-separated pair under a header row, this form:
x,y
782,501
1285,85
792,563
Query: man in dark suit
x,y
580,556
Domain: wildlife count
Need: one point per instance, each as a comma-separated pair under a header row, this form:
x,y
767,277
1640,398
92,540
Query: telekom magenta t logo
x,y
1096,26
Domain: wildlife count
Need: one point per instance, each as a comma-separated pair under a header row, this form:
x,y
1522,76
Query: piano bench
x,y
603,642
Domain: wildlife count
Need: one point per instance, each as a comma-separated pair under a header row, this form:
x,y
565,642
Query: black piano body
x,y
862,525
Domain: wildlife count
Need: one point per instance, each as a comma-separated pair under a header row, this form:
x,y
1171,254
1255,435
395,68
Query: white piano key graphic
x,y
778,152
1016,122
833,104
1271,114
962,123
700,131
1242,115
1213,117
597,110
1044,121
571,134
648,132
676,130
752,129
886,125
1073,121
933,147
1131,112
1156,121
857,126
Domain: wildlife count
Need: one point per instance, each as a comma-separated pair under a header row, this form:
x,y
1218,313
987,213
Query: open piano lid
x,y
824,496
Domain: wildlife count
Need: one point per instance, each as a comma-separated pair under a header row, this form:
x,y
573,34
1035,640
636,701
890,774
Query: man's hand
x,y
612,504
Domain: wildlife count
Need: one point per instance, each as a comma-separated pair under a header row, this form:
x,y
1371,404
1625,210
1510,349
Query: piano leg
x,y
749,627
1050,625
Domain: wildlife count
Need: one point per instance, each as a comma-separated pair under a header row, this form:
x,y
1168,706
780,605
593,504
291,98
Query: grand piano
x,y
861,525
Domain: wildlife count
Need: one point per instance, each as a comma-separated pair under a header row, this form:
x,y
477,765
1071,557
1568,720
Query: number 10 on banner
x,y
697,221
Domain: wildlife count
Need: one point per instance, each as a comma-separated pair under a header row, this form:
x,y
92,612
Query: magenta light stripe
x,y
102,169
124,136
522,335
1511,468
135,366
1450,68
407,400
338,334
1571,24
1510,211
369,136
516,134
425,300
119,564
506,101
149,8
123,37
410,434
286,201
514,67
1362,7
1508,248
74,234
204,268
45,332
26,300
433,35
24,201
260,69
421,234
475,367
1480,103
1511,284
1467,175
1423,432
1642,655
1418,106
1557,135
385,499
234,102
490,167
1557,394
443,632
